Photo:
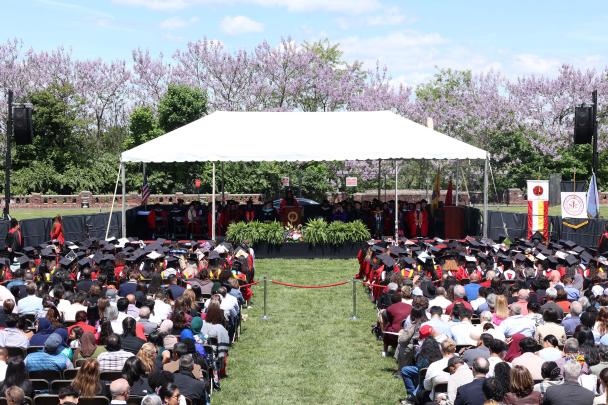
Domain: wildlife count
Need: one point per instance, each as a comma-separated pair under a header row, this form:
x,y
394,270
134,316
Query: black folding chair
x,y
16,352
110,375
134,400
40,385
46,399
59,384
93,401
70,373
49,375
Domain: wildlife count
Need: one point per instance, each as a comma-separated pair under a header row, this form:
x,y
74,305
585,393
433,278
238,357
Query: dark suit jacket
x,y
471,393
568,394
190,387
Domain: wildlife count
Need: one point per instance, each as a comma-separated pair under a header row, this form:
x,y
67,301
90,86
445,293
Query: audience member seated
x,y
115,357
51,358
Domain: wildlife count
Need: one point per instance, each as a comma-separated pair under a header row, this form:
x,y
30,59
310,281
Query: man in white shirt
x,y
517,323
162,310
5,294
437,323
31,304
434,373
462,327
440,300
498,349
460,374
63,304
69,314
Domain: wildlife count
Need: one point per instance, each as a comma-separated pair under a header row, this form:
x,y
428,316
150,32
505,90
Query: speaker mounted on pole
x,y
583,125
22,125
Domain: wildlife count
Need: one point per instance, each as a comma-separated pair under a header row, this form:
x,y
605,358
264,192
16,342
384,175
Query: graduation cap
x,y
172,261
387,260
66,261
571,260
378,249
470,259
552,260
423,256
97,257
396,250
482,256
519,257
28,250
108,258
5,261
568,243
586,256
409,261
578,249
213,255
86,262
154,255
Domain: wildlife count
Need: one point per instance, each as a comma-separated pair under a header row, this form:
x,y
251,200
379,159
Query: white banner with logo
x,y
574,205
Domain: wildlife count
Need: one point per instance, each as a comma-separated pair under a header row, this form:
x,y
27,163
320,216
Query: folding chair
x,y
59,384
93,401
110,375
134,400
40,386
70,373
46,399
49,375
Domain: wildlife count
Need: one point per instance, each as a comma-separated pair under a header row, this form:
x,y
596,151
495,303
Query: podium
x,y
291,215
454,222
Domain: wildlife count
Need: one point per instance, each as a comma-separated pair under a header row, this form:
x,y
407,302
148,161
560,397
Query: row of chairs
x,y
51,399
69,374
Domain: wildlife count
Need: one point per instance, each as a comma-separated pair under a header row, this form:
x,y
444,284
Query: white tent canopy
x,y
301,136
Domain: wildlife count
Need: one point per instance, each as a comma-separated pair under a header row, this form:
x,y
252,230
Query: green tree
x,y
181,105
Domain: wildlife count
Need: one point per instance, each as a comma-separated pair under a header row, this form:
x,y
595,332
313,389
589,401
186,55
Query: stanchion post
x,y
265,317
354,317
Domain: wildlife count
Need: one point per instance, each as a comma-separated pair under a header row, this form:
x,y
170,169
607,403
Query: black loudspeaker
x,y
22,125
583,125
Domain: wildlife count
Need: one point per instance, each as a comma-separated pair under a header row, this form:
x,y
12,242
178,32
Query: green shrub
x,y
315,232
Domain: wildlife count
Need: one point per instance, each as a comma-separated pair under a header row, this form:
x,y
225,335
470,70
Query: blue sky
x,y
412,38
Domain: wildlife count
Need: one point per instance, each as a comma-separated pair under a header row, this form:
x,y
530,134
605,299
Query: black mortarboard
x,y
86,262
519,257
387,260
172,261
571,260
377,249
214,255
578,249
410,261
5,261
396,250
29,250
586,256
108,258
66,261
568,243
552,260
47,252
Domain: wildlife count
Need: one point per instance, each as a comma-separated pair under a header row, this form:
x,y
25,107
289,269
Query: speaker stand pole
x,y
7,161
595,157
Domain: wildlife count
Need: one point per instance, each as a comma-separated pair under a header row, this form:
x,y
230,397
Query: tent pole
x,y
123,216
223,197
113,199
379,180
396,202
457,180
485,197
213,203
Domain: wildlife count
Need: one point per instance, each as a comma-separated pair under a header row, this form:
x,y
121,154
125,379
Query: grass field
x,y
29,213
309,352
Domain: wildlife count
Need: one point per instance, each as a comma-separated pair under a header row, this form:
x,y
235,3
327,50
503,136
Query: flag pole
x,y
145,181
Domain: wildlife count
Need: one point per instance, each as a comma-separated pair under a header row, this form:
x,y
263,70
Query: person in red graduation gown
x,y
14,239
602,245
418,222
57,230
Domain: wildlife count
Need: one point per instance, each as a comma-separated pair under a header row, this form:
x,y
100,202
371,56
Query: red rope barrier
x,y
250,284
368,284
309,286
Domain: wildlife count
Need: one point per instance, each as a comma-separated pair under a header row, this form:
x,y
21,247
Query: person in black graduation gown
x,y
268,213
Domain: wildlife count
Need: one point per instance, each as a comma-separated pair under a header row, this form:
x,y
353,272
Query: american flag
x,y
145,191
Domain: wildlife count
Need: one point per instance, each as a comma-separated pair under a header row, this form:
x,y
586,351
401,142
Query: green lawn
x,y
29,213
309,352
